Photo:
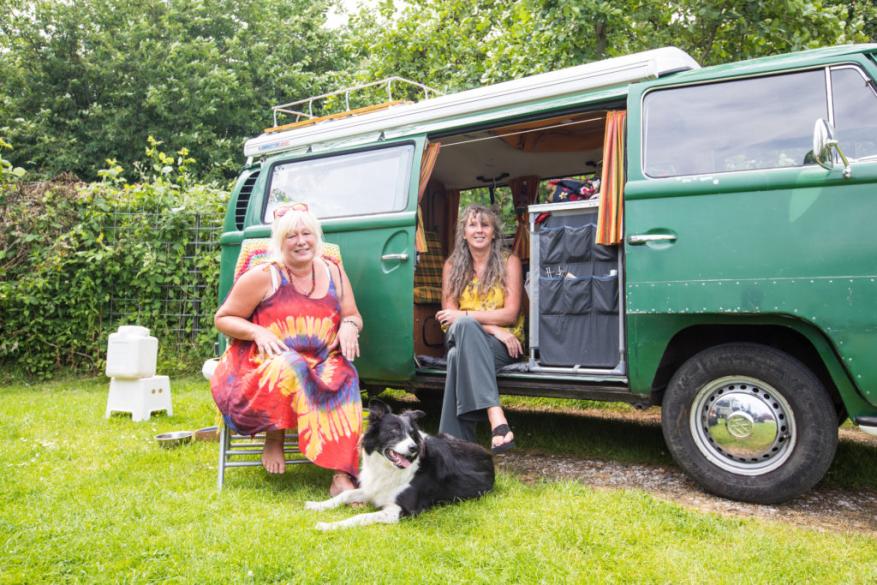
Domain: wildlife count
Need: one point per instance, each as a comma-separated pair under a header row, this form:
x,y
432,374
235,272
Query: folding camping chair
x,y
239,451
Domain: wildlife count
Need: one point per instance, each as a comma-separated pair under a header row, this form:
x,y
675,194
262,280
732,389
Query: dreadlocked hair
x,y
462,265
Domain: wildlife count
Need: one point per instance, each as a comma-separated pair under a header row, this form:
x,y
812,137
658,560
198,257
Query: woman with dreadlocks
x,y
481,302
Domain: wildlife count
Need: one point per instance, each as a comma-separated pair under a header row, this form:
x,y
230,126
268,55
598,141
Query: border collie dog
x,y
405,471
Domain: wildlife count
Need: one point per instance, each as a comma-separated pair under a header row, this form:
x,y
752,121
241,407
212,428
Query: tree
x,y
90,80
458,44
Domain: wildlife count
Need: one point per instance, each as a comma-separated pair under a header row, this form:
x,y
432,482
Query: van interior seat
x,y
428,273
428,334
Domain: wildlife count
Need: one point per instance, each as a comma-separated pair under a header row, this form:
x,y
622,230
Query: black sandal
x,y
501,431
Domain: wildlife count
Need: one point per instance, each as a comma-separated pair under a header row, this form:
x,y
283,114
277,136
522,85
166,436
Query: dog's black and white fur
x,y
404,471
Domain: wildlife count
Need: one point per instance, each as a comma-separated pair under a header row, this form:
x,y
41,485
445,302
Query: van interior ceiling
x,y
548,148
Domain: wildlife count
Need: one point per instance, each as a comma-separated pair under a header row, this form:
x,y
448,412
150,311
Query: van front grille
x,y
240,209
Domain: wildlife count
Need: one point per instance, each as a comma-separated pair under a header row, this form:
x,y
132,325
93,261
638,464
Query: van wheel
x,y
749,423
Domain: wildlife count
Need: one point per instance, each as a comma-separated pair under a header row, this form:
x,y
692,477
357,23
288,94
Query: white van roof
x,y
403,119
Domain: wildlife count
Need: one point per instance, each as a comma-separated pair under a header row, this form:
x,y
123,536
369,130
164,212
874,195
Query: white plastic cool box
x,y
131,353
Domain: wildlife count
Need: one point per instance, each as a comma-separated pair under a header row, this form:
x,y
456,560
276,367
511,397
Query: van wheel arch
x,y
692,340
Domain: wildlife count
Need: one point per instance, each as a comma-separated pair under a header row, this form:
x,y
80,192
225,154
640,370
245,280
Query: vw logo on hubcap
x,y
739,425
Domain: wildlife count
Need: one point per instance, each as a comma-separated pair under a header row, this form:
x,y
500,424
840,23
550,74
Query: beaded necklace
x,y
313,279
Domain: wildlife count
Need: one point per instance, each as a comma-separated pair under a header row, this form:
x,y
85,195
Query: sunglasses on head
x,y
287,207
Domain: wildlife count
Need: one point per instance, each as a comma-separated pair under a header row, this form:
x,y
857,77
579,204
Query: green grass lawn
x,y
85,499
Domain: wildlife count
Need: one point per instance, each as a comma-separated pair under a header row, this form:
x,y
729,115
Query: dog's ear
x,y
414,414
377,408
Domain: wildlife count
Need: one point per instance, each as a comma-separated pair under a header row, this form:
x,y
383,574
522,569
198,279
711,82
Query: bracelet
x,y
352,322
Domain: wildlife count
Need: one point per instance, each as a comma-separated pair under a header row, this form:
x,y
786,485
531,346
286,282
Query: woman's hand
x,y
348,339
268,343
512,343
447,317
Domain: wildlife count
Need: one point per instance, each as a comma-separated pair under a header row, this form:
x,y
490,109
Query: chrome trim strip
x,y
574,371
830,96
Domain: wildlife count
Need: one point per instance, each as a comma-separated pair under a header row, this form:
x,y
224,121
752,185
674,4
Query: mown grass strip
x,y
89,500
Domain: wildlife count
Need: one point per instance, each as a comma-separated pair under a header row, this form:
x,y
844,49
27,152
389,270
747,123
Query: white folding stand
x,y
141,397
134,387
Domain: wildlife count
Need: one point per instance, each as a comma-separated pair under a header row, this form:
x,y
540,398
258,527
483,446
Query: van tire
x,y
777,454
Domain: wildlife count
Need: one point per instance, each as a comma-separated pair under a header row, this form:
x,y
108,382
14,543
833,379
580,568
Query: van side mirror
x,y
823,144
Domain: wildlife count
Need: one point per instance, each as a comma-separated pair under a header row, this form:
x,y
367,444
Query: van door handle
x,y
640,239
403,257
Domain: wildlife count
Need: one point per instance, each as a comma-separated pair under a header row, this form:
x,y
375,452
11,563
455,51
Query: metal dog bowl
x,y
174,439
207,434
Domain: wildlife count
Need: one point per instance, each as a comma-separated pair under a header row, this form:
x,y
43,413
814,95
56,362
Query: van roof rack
x,y
479,105
306,118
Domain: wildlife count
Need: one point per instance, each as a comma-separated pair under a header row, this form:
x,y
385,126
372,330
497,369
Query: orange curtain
x,y
452,212
610,220
427,164
524,192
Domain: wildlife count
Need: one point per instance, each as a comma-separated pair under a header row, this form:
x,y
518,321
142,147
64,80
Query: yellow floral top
x,y
470,300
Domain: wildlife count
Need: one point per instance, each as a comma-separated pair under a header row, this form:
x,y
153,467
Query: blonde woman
x,y
294,330
481,309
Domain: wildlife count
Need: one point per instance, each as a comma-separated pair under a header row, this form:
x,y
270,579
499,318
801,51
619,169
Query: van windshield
x,y
358,183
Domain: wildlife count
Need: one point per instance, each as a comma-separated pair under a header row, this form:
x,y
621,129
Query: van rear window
x,y
756,123
358,183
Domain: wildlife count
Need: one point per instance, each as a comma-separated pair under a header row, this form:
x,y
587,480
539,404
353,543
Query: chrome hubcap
x,y
743,425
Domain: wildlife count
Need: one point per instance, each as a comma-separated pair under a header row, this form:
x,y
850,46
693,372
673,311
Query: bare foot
x,y
273,459
341,482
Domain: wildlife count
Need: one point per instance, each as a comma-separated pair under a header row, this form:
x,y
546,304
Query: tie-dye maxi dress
x,y
307,388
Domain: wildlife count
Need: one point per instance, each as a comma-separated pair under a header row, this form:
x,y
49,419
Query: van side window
x,y
357,183
855,111
756,123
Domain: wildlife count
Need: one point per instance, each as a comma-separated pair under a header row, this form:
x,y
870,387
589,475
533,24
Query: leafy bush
x,y
67,249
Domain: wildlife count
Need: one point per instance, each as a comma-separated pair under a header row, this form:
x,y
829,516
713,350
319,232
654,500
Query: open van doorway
x,y
542,177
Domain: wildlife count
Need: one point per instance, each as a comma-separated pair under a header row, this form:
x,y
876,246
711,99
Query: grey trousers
x,y
470,387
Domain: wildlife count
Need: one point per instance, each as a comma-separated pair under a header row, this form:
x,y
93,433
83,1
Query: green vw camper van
x,y
740,293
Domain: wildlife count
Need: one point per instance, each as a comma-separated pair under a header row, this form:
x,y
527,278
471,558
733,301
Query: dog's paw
x,y
316,506
325,526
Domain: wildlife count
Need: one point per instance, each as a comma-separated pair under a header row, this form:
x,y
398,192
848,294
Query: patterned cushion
x,y
257,251
427,294
429,264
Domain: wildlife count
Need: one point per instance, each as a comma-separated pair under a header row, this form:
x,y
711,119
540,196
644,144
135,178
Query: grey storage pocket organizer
x,y
577,242
578,295
584,340
603,253
551,245
604,291
566,243
563,339
564,295
550,295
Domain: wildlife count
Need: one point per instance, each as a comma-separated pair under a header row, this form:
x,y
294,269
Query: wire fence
x,y
181,307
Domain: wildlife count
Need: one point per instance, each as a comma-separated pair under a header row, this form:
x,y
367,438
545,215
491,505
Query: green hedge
x,y
67,249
